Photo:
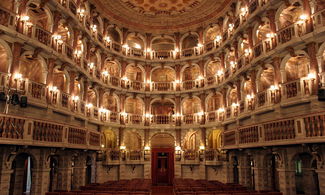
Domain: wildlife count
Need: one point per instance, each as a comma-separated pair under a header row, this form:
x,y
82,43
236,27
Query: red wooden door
x,y
162,167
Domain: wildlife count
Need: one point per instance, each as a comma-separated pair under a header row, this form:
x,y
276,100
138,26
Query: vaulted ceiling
x,y
162,16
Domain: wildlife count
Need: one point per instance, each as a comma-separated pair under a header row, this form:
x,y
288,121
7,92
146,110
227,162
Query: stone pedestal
x,y
40,181
5,181
287,181
64,178
79,177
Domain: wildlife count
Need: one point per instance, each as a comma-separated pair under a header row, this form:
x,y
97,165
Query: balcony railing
x,y
163,86
163,119
45,133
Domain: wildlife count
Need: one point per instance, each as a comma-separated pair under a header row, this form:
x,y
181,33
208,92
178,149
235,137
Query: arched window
x,y
190,41
297,67
33,69
134,106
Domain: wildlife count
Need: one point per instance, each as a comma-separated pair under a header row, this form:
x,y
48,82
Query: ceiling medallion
x,y
161,7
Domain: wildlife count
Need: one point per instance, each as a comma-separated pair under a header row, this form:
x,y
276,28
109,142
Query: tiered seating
x,y
122,187
203,187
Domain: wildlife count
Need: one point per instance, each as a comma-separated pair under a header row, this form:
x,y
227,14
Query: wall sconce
x,y
125,46
107,39
103,114
147,153
218,38
199,45
24,18
221,114
201,153
93,27
243,11
311,76
235,108
247,52
18,78
81,12
250,101
270,35
231,27
302,18
123,152
78,53
178,153
75,100
88,107
53,93
137,46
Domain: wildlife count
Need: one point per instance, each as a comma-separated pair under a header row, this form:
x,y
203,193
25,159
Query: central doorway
x,y
162,159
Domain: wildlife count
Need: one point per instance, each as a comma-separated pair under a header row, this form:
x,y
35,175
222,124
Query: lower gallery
x,y
143,97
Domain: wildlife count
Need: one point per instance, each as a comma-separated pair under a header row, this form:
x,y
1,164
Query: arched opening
x,y
39,17
113,35
247,88
88,170
190,41
163,111
214,140
212,34
162,163
233,97
163,44
266,79
21,177
134,106
135,42
191,106
163,79
297,68
134,73
192,77
4,60
64,33
214,102
191,144
214,70
32,69
264,34
243,48
231,63
132,141
290,15
110,140
112,68
77,88
305,175
60,80
110,102
94,62
54,166
92,97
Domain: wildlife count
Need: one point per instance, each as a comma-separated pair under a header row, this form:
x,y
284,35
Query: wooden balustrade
x,y
229,138
36,90
212,116
135,119
116,47
113,117
135,155
188,52
163,54
136,52
262,98
187,85
73,7
248,135
77,136
189,119
136,85
286,34
114,154
163,86
211,80
48,132
209,46
209,154
94,139
297,88
114,81
315,125
42,35
319,19
190,154
279,130
12,127
163,119
258,49
6,17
